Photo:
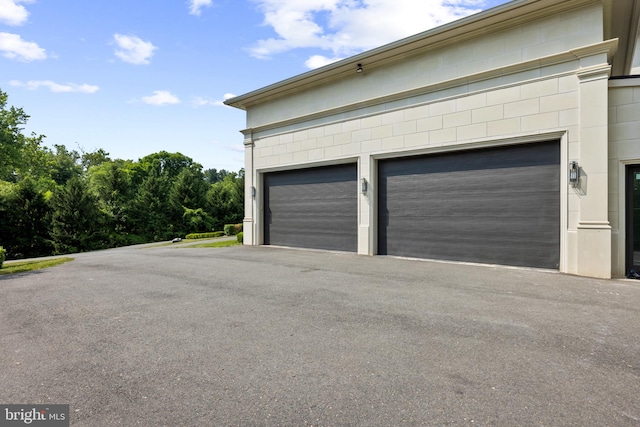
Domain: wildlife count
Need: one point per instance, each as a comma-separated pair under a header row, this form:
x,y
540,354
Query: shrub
x,y
240,237
230,229
3,255
205,235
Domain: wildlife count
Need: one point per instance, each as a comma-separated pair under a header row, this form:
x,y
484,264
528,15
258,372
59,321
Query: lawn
x,y
220,244
216,244
13,267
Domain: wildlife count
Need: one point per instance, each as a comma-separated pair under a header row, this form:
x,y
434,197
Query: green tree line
x,y
56,200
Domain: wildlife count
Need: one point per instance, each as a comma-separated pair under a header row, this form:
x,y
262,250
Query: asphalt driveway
x,y
259,336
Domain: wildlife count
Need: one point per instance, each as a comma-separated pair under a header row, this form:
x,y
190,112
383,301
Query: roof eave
x,y
490,20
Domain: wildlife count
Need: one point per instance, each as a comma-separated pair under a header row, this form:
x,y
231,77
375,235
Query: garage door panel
x,y
312,208
493,206
460,251
503,207
304,224
491,232
503,158
471,181
489,247
295,213
314,239
302,193
490,224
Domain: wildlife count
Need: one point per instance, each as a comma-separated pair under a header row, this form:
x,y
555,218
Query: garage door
x,y
312,208
499,206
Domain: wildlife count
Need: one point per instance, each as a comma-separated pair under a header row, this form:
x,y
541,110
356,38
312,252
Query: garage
x,y
497,205
312,208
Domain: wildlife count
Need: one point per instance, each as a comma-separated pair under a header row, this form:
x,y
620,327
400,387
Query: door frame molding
x,y
619,233
630,169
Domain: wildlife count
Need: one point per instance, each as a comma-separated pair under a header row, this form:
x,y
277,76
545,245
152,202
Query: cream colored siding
x,y
460,120
544,37
525,79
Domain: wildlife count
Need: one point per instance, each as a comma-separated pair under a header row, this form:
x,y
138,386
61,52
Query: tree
x,y
25,221
65,165
94,158
37,163
189,189
111,183
76,220
187,198
196,220
212,175
12,141
151,217
167,164
62,200
225,200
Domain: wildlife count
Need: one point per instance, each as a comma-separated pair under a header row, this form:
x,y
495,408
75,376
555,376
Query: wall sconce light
x,y
364,186
359,69
253,192
574,173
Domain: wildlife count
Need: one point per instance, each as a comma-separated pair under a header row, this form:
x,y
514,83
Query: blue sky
x,y
136,77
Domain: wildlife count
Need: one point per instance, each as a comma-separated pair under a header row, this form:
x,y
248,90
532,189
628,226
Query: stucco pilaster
x,y
594,230
365,206
249,223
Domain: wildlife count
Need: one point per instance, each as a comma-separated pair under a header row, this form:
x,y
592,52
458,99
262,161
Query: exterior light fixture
x,y
364,185
359,69
253,192
574,173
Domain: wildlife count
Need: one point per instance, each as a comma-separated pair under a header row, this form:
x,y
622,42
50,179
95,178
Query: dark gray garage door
x,y
312,208
499,205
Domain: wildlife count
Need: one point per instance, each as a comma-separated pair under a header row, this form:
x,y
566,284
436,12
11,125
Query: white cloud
x,y
195,6
239,148
134,50
13,47
317,61
201,102
346,27
161,97
56,87
12,12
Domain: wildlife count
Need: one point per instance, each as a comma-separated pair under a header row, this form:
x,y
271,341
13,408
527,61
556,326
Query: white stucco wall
x,y
540,81
530,41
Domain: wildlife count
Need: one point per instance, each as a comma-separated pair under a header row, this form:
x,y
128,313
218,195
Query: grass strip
x,y
222,244
183,241
23,266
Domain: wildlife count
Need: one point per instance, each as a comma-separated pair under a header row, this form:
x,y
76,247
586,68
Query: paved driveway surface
x,y
247,336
